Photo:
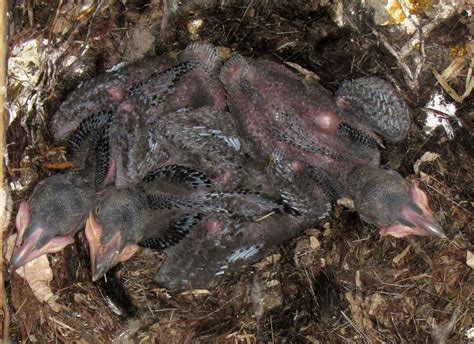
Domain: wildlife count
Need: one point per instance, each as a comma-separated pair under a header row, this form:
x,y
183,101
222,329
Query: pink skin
x,y
320,122
116,94
425,224
26,251
213,226
327,121
297,166
111,173
225,178
126,106
21,221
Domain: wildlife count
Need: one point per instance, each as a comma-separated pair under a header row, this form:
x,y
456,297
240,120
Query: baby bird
x,y
202,166
213,249
102,121
158,213
309,134
160,84
54,213
57,208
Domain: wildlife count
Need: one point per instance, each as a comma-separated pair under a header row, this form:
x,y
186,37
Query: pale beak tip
x,y
435,230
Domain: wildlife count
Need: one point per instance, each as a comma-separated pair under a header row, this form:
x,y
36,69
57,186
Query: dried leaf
x,y
346,202
470,259
444,84
402,255
38,275
314,243
426,157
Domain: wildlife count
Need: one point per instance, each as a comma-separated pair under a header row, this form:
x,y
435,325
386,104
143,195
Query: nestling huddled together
x,y
216,163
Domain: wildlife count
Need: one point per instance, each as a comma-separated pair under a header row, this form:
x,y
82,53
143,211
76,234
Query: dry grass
x,y
340,282
4,307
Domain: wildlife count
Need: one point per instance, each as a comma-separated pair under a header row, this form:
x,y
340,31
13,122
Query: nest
x,y
339,282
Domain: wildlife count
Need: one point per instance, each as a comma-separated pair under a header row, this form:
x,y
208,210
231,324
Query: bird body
x,y
159,163
146,216
157,84
213,250
104,118
331,140
206,163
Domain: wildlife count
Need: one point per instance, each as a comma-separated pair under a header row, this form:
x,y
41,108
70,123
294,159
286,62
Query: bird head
x,y
384,198
48,221
113,228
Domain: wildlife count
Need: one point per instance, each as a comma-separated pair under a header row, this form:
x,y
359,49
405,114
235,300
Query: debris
x,y
470,259
268,261
24,75
426,157
141,40
441,333
464,59
470,333
193,28
309,75
440,112
265,296
391,12
58,166
360,319
38,274
314,243
196,293
402,255
306,252
346,202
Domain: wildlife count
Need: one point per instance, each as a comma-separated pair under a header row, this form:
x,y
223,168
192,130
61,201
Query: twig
x,y
86,40
355,327
457,204
3,192
62,324
394,323
6,315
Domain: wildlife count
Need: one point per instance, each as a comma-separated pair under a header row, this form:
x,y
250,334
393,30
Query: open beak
x,y
27,250
104,257
416,218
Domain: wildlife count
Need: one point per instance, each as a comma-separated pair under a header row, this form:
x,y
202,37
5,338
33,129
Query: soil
x,y
339,282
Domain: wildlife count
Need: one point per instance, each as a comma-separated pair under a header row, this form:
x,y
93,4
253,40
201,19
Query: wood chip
x,y
470,259
346,202
426,157
314,242
402,255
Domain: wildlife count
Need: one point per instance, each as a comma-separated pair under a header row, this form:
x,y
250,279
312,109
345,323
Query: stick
x,y
3,127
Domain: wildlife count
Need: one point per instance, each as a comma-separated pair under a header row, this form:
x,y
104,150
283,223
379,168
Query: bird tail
x,y
234,70
204,53
376,103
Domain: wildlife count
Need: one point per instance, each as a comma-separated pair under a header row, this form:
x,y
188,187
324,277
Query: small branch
x,y
3,128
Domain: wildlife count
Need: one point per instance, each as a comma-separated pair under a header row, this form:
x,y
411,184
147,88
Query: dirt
x,y
338,282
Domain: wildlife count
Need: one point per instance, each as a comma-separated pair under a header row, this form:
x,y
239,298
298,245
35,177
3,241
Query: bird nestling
x,y
94,119
158,213
309,134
